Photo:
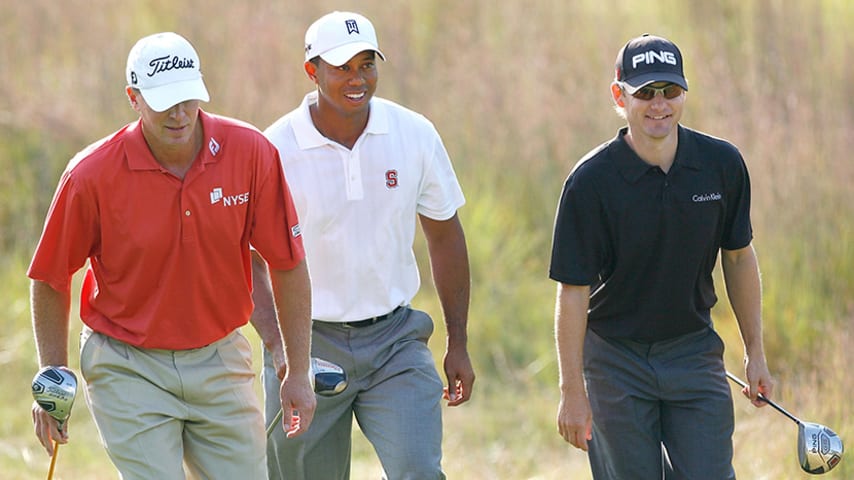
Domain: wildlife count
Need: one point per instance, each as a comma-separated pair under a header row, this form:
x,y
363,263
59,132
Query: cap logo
x,y
352,27
166,63
650,57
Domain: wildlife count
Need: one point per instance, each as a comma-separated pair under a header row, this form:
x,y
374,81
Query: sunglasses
x,y
669,91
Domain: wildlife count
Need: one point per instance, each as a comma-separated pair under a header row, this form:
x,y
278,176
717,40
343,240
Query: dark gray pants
x,y
394,392
660,410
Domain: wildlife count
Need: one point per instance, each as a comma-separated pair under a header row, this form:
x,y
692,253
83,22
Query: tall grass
x,y
519,91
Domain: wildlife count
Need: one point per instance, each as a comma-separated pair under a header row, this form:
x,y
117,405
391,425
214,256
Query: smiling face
x,y
348,88
653,119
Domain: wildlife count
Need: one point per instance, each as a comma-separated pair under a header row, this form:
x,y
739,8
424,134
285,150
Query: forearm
x,y
570,328
741,275
451,275
50,314
292,295
451,278
263,317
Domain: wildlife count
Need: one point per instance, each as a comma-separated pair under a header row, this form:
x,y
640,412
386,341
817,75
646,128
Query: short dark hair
x,y
316,59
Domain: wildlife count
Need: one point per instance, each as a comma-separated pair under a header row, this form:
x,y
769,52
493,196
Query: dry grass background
x,y
519,91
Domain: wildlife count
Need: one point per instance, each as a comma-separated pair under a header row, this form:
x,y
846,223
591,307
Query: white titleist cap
x,y
338,36
165,68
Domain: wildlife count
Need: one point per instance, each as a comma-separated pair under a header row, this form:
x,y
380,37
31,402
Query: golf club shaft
x,y
765,399
274,422
53,460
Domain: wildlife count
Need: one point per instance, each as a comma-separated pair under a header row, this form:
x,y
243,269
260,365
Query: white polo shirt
x,y
358,207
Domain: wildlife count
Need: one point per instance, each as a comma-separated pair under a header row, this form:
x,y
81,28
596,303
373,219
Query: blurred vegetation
x,y
519,91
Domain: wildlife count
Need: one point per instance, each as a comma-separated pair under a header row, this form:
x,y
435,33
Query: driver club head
x,y
54,389
328,378
819,448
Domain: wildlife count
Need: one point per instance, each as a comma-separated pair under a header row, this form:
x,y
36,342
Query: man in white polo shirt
x,y
361,170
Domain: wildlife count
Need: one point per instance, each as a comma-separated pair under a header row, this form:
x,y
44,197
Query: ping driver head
x,y
327,378
54,389
819,448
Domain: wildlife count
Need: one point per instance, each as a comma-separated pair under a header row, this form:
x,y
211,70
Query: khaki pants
x,y
158,411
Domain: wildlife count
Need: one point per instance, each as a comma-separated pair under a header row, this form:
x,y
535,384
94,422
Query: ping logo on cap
x,y
649,57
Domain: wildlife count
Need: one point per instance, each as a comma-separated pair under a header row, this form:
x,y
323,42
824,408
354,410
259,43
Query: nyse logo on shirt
x,y
228,200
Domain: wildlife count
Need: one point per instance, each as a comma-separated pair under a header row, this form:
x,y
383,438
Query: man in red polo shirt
x,y
165,210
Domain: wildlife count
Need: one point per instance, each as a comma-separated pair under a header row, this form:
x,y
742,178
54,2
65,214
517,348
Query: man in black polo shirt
x,y
638,229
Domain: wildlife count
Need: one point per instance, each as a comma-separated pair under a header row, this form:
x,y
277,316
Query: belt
x,y
370,321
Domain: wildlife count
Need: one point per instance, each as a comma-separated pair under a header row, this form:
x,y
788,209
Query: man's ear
x,y
617,93
134,103
311,71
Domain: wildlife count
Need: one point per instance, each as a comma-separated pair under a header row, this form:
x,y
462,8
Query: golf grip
x,y
765,399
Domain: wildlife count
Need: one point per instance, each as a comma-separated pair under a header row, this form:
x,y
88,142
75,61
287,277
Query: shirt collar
x,y
632,167
308,136
139,156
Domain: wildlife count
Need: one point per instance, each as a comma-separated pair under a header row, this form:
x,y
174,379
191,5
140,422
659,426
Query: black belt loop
x,y
370,321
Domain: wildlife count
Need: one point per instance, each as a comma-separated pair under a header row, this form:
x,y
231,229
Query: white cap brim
x,y
164,97
340,55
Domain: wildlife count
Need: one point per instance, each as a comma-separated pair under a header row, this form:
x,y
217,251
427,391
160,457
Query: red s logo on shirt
x,y
391,179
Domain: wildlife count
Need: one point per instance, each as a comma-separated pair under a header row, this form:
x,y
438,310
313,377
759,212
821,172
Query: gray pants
x,y
394,392
660,410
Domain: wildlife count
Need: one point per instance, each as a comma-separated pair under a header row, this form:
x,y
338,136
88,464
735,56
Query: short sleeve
x,y
69,237
578,243
440,194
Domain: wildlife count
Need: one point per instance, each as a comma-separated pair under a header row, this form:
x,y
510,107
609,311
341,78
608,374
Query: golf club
x,y
54,389
327,379
819,448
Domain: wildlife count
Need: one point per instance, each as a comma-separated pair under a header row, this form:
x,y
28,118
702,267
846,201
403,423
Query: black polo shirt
x,y
647,242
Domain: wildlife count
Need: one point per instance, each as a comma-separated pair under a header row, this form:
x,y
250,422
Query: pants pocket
x,y
422,325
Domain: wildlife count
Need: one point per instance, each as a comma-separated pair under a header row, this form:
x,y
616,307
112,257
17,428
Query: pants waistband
x,y
367,322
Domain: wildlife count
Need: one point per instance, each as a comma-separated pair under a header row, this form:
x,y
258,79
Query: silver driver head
x,y
327,378
819,448
54,389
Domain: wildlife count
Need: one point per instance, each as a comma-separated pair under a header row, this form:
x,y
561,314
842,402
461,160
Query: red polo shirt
x,y
169,258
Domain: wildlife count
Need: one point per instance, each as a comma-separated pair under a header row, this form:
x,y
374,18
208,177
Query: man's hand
x,y
575,419
759,380
460,375
279,362
47,429
298,404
